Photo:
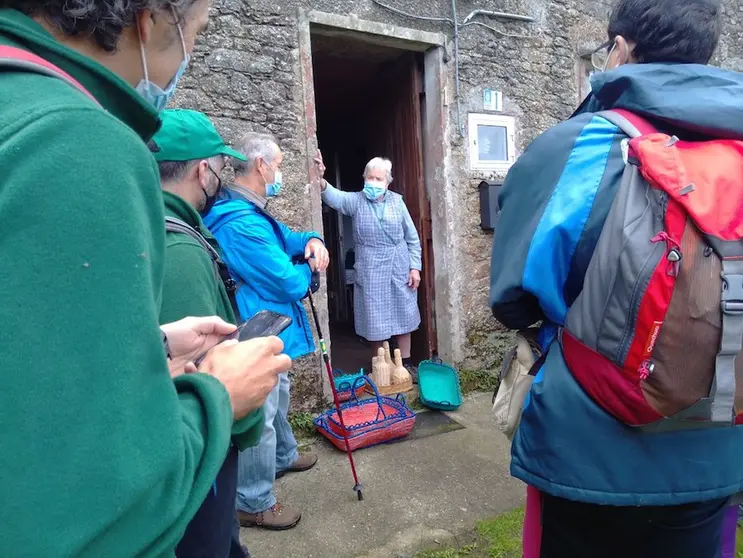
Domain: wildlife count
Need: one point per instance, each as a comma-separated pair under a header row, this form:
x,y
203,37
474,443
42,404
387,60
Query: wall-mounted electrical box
x,y
489,207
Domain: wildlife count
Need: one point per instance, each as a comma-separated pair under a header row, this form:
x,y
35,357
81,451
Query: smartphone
x,y
264,324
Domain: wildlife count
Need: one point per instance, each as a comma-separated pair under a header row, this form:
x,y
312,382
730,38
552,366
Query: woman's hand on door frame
x,y
320,170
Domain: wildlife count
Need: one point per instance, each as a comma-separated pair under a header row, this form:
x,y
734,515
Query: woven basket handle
x,y
345,385
359,383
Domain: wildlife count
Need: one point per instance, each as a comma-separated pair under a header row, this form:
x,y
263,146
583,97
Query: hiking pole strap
x,y
731,338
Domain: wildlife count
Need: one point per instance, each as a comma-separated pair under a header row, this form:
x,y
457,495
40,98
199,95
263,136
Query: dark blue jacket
x,y
554,203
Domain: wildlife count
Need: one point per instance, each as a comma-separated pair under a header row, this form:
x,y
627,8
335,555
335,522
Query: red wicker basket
x,y
369,421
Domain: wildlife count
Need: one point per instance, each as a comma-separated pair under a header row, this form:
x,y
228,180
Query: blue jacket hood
x,y
701,99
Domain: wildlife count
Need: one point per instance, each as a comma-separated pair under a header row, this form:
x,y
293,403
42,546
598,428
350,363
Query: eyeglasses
x,y
600,56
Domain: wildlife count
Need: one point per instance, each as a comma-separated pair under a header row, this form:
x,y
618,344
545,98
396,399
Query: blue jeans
x,y
276,451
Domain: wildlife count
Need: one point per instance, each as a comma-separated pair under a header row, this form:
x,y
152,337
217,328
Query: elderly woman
x,y
388,257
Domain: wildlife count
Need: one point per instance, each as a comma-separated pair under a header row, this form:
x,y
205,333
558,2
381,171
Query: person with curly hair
x,y
104,438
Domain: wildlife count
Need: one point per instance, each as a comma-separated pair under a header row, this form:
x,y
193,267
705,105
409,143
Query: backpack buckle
x,y
231,285
732,294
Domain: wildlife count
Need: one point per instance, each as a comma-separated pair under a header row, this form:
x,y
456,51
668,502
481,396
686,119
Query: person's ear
x,y
145,23
622,51
202,173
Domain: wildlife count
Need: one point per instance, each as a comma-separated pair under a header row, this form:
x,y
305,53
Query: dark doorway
x,y
369,102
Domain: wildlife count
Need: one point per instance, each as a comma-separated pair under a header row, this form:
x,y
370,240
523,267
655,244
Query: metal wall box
x,y
489,207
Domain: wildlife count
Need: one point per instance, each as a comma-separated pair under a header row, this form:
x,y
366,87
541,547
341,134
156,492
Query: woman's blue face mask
x,y
374,189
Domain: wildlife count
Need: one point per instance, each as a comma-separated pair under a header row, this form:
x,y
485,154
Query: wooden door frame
x,y
436,151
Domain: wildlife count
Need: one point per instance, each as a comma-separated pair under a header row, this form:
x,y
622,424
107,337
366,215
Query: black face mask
x,y
211,200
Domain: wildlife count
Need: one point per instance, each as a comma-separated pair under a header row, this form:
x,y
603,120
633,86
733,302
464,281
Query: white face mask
x,y
153,93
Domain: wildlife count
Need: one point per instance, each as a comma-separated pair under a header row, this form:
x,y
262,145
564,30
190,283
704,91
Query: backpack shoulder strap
x,y
177,226
18,59
630,123
220,269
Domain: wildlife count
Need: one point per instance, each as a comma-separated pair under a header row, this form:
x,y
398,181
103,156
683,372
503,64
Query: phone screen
x,y
264,324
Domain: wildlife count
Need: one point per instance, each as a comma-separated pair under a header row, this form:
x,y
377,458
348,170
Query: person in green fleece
x,y
190,155
103,453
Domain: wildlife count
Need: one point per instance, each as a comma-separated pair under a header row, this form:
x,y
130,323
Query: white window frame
x,y
507,122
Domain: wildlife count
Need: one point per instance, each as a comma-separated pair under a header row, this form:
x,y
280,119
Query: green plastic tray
x,y
438,384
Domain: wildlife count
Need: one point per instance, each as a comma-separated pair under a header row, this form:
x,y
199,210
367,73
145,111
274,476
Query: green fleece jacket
x,y
101,452
191,288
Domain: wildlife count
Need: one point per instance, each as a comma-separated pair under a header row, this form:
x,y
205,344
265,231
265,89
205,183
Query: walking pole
x,y
328,368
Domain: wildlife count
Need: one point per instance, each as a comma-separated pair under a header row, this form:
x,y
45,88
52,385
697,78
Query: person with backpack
x,y
621,232
190,156
98,440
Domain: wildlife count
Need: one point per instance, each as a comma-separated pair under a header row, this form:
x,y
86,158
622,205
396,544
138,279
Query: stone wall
x,y
246,75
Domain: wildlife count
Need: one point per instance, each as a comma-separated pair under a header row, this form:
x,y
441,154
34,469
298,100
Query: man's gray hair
x,y
379,163
254,145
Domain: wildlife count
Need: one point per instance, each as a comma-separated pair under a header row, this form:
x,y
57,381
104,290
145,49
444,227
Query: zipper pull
x,y
674,254
646,369
674,260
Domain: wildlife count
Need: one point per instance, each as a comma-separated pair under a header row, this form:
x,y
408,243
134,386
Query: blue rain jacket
x,y
258,251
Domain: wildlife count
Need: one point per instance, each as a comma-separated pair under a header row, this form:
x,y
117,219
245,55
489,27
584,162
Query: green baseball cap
x,y
186,135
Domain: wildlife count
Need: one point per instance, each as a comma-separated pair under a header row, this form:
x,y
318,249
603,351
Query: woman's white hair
x,y
379,163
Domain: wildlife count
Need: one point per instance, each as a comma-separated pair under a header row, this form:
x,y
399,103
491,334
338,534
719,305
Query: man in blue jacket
x,y
262,255
608,490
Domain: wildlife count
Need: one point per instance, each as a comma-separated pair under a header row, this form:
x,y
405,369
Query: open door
x,y
369,103
394,130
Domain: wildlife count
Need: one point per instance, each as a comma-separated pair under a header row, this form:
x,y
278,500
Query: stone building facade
x,y
254,71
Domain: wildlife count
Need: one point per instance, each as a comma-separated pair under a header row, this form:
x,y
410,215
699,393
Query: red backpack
x,y
21,60
655,334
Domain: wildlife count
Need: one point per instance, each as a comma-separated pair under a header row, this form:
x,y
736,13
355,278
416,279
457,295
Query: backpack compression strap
x,y
18,59
221,272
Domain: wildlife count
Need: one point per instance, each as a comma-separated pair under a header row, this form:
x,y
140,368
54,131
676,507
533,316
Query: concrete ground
x,y
416,494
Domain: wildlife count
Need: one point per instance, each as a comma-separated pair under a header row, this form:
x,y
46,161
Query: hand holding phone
x,y
248,370
264,324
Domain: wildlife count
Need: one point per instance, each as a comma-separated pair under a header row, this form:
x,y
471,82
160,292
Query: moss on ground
x,y
302,425
499,537
477,380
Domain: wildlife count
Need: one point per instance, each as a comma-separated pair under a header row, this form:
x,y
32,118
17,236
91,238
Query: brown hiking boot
x,y
276,518
304,462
